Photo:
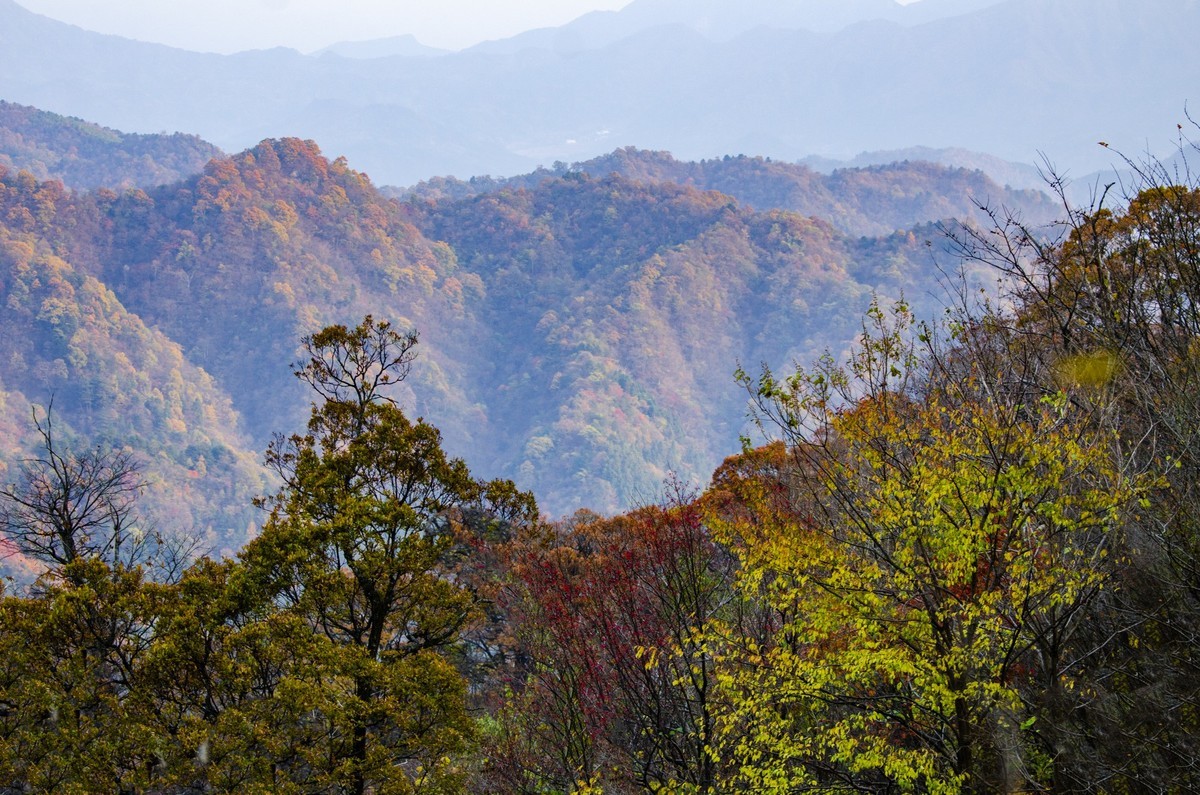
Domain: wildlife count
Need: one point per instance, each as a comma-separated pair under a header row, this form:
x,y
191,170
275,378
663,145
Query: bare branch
x,y
68,506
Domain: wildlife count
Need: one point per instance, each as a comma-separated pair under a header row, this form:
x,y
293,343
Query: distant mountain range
x,y
721,20
579,330
1012,78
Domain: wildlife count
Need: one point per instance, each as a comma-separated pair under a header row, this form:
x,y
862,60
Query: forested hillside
x,y
873,200
83,155
578,333
66,340
618,311
962,562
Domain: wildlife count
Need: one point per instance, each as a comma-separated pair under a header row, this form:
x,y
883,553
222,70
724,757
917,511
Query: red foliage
x,y
613,671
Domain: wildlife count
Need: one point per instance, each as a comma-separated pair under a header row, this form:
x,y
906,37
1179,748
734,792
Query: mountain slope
x,y
406,46
863,201
578,335
620,311
719,20
83,155
264,247
66,340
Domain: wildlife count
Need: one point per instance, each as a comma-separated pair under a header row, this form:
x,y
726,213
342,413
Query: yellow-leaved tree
x,y
942,536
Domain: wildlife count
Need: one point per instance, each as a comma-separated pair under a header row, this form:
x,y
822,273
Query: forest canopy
x,y
962,561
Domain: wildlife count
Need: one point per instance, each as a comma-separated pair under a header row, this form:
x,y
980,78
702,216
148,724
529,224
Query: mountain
x,y
1021,176
578,333
406,46
579,336
240,261
720,20
82,155
875,200
68,342
619,310
1013,79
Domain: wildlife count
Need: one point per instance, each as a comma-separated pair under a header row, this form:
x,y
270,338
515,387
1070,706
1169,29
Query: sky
x,y
307,25
232,25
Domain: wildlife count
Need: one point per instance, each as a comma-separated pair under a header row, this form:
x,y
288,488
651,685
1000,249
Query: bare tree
x,y
67,507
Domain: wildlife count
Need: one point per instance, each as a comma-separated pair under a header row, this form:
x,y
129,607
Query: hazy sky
x,y
231,25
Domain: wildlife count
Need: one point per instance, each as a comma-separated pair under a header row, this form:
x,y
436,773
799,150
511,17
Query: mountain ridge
x,y
86,156
871,200
579,333
1013,79
719,21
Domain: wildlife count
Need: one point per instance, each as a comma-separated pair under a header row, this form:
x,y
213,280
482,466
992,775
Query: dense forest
x,y
872,201
85,155
306,488
964,561
578,331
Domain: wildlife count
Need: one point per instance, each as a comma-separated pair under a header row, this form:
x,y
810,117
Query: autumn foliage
x,y
959,556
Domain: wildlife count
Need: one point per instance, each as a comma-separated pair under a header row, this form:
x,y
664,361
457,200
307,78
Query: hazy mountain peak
x,y
405,46
720,20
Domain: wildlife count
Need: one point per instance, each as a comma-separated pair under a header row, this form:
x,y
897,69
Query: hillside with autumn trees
x,y
578,331
615,480
67,341
83,155
960,557
875,200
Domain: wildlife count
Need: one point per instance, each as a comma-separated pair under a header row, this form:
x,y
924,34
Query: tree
x,y
73,715
68,507
357,543
613,683
70,718
946,544
1111,307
